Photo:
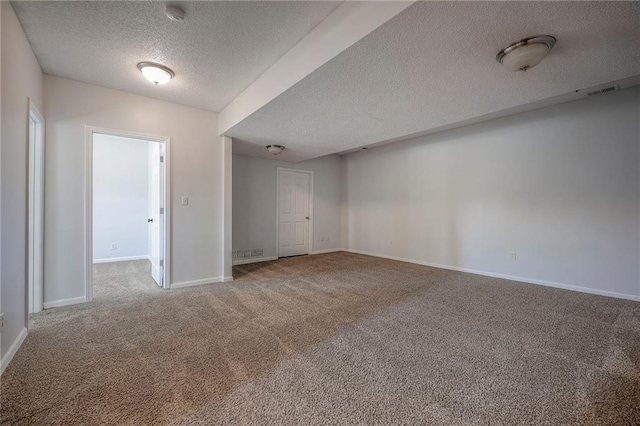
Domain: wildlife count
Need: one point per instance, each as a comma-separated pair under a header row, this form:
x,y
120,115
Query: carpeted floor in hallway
x,y
336,338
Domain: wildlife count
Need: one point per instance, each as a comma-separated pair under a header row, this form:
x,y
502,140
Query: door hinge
x,y
161,262
161,210
1,322
162,158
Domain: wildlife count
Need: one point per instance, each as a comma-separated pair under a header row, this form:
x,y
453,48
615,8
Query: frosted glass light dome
x,y
155,73
275,149
526,53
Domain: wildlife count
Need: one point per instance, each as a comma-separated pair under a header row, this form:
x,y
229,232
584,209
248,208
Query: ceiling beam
x,y
346,25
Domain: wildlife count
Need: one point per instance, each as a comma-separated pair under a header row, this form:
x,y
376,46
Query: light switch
x,y
185,201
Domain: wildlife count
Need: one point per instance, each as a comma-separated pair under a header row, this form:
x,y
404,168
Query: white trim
x,y
204,281
88,202
64,302
122,259
254,260
333,250
506,277
227,205
311,212
6,359
35,226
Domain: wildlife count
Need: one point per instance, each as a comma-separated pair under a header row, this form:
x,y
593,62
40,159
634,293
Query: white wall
x,y
196,172
559,186
21,81
254,202
120,197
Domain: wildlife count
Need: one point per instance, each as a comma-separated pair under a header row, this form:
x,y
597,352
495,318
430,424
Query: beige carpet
x,y
330,339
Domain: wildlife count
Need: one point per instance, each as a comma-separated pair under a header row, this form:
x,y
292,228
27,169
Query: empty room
x,y
320,212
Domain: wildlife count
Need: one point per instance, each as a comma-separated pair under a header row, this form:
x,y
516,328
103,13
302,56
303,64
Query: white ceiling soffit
x,y
345,26
218,51
433,66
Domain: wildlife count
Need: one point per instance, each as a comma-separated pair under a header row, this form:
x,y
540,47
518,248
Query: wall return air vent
x,y
602,91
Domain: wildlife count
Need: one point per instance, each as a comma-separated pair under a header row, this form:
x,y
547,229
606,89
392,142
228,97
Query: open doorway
x,y
35,245
127,217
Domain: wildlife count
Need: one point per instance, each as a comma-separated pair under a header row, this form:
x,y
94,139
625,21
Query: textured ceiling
x,y
219,50
434,65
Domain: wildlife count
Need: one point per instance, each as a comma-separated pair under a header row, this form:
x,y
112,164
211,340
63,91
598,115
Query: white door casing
x,y
36,210
165,200
294,203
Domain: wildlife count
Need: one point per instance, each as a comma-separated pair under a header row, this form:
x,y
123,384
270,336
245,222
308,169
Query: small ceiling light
x,y
155,73
174,13
526,53
275,149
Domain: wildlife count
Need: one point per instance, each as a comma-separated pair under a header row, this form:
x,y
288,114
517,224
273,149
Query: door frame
x,y
35,212
311,215
89,131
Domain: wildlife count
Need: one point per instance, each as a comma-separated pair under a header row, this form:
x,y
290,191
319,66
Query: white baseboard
x,y
506,277
200,282
122,259
64,302
253,260
6,359
333,250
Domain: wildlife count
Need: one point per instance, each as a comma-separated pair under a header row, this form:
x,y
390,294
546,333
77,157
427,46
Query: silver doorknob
x,y
150,220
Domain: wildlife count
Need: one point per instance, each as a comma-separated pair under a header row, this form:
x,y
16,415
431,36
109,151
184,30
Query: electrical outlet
x,y
514,256
114,246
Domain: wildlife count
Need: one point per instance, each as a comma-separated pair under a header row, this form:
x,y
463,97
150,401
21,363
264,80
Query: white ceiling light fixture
x,y
526,53
174,13
156,73
275,149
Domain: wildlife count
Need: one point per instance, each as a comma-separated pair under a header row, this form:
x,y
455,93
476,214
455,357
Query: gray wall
x,y
558,186
196,172
120,197
21,81
254,202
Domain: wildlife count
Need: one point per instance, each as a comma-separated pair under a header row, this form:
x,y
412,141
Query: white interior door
x,y
293,213
156,211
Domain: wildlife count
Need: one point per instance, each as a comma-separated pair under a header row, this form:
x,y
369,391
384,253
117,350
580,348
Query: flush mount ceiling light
x,y
526,53
174,13
156,73
275,149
